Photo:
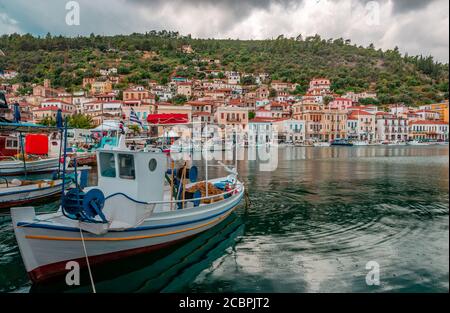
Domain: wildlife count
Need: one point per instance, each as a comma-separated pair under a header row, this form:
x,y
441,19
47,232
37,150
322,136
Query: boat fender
x,y
197,196
193,174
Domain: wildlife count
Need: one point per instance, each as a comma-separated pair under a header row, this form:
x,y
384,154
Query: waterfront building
x,y
290,130
390,127
361,125
428,130
333,124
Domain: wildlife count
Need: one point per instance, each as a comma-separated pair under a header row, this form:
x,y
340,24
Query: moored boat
x,y
16,166
130,211
341,142
321,144
360,143
23,191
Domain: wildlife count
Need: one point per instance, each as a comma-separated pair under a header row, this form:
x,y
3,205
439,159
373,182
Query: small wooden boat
x,y
137,206
20,191
360,143
321,144
16,166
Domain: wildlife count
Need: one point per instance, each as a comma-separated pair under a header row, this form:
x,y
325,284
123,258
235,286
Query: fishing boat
x,y
23,191
138,205
321,144
341,142
15,166
360,143
417,143
394,143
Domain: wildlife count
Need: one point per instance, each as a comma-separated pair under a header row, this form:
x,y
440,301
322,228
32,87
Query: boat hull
x,y
20,195
47,247
38,166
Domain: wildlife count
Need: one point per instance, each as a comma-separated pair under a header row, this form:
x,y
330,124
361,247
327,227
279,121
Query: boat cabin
x,y
9,146
137,174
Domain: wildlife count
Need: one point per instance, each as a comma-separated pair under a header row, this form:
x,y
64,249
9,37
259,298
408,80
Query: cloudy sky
x,y
415,26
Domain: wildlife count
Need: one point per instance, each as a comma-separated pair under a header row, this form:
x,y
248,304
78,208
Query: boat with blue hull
x,y
342,142
138,205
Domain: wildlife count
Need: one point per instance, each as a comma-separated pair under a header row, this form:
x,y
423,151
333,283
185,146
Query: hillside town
x,y
319,115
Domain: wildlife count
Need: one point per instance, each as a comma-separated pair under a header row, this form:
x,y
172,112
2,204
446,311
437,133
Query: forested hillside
x,y
157,55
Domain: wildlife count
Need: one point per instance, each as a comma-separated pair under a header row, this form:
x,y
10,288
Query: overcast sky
x,y
415,26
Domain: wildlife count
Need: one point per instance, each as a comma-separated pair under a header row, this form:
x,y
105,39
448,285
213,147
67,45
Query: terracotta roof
x,y
55,100
360,112
51,108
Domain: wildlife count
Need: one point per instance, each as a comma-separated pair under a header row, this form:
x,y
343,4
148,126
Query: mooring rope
x,y
87,262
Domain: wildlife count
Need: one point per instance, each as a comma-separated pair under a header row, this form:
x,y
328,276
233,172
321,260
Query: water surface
x,y
312,226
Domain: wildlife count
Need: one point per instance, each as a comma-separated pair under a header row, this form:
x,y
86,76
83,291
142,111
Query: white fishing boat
x,y
417,143
138,205
15,166
321,144
360,143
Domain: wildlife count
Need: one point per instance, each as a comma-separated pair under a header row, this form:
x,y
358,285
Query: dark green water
x,y
312,226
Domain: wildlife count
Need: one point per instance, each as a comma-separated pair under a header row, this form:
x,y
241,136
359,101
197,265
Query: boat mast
x,y
206,162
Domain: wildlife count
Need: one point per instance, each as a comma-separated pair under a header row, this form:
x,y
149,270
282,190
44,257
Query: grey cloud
x,y
405,6
417,27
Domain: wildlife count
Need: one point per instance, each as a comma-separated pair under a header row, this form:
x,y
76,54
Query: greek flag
x,y
134,118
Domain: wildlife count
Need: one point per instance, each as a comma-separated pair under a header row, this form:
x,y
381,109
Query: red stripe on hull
x,y
54,270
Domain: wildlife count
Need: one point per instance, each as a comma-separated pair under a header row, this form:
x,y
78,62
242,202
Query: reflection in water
x,y
313,225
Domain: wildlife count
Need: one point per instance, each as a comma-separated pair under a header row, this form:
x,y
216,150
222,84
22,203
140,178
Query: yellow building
x,y
442,109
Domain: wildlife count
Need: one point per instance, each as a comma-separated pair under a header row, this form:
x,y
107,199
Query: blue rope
x,y
128,197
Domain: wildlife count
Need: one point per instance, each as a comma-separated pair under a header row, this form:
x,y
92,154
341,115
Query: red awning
x,y
169,118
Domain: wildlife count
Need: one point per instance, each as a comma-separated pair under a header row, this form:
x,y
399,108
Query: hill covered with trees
x,y
396,78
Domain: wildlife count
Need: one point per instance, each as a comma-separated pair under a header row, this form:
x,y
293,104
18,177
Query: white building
x,y
290,130
428,130
391,128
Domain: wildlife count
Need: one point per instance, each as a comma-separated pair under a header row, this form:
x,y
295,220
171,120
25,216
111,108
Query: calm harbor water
x,y
312,226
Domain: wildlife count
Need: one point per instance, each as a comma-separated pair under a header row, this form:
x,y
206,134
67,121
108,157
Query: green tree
x,y
179,99
80,121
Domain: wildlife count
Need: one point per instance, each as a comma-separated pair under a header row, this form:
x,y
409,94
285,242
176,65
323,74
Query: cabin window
x,y
107,164
11,143
126,166
152,165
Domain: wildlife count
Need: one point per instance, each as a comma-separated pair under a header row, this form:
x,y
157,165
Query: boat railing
x,y
238,188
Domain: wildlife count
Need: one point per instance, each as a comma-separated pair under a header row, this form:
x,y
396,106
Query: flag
x,y
134,118
122,127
